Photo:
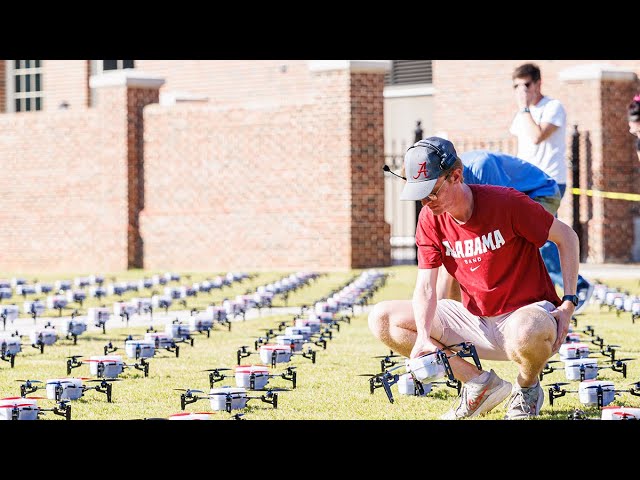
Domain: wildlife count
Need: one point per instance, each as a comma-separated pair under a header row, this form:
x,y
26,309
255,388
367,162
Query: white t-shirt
x,y
548,155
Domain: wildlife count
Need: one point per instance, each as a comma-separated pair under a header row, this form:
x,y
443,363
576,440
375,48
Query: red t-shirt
x,y
495,255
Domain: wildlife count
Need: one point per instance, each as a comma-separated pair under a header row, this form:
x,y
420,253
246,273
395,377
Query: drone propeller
x,y
188,390
367,375
387,356
29,381
75,356
557,385
216,370
108,380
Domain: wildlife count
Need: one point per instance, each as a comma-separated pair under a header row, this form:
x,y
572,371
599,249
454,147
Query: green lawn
x,y
328,389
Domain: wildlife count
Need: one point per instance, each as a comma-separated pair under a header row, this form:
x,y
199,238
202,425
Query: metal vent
x,y
405,72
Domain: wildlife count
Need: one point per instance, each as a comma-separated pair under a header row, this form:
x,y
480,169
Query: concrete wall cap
x,y
596,71
128,77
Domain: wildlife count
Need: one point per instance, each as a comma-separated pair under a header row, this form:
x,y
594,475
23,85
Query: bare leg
x,y
393,323
529,337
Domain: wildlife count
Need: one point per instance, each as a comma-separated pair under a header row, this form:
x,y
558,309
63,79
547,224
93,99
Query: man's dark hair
x,y
527,70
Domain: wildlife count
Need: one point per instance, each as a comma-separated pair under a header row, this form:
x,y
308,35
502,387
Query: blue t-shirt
x,y
497,168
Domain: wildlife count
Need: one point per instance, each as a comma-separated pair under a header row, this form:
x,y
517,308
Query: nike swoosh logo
x,y
473,269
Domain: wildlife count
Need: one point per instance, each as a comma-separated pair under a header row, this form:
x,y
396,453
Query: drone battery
x,y
237,397
112,365
218,313
160,340
406,386
573,366
200,322
47,336
145,348
124,308
295,341
98,315
572,338
26,408
588,392
573,350
322,307
324,317
314,325
56,301
11,311
620,413
192,416
426,368
279,353
260,375
176,330
71,388
304,331
75,326
11,345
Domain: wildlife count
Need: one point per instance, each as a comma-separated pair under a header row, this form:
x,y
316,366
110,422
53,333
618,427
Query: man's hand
x,y
422,347
562,314
523,97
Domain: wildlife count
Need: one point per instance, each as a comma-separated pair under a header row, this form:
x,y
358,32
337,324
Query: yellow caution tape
x,y
634,197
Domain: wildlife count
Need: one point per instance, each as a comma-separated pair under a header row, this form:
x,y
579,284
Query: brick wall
x,y
64,80
270,187
370,235
246,83
64,192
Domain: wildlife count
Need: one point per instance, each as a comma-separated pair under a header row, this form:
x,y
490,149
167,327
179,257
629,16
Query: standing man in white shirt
x,y
541,125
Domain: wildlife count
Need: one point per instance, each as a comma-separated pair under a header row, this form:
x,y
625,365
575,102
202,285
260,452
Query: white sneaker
x,y
476,399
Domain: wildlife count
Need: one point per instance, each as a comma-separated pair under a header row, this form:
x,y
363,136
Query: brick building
x,y
271,164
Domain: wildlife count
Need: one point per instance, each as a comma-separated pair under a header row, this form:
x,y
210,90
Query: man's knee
x,y
530,327
379,317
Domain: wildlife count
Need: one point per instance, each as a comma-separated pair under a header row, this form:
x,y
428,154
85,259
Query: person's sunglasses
x,y
527,84
432,197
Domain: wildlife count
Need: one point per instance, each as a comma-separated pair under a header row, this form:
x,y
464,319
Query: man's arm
x,y
569,249
537,133
424,309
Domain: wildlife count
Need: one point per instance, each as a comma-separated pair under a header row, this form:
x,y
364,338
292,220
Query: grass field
x,y
328,389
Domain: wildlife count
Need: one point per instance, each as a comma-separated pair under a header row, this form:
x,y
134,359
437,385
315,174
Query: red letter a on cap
x,y
423,169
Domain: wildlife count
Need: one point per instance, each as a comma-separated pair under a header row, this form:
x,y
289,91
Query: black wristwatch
x,y
572,298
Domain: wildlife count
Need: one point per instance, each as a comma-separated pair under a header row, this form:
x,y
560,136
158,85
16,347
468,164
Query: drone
x,y
21,408
44,336
294,340
592,392
225,398
253,377
271,354
424,369
106,366
179,331
608,413
585,368
74,327
99,317
71,388
8,312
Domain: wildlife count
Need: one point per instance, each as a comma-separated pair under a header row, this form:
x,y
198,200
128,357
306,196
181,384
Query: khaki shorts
x,y
486,333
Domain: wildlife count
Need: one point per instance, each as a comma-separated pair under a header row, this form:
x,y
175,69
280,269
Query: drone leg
x,y
387,389
109,387
183,402
177,351
13,358
69,367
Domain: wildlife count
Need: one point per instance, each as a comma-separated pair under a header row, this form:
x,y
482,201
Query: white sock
x,y
480,379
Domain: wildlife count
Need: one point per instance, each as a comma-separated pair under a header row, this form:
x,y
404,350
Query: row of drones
x,y
612,298
421,374
175,331
109,366
279,345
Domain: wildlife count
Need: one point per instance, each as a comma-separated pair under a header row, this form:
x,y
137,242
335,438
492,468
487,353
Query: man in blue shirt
x,y
497,168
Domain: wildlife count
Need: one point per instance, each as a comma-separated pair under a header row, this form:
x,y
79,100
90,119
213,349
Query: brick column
x,y
596,98
3,86
122,95
353,91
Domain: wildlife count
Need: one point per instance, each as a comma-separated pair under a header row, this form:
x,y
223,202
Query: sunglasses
x,y
527,84
432,197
